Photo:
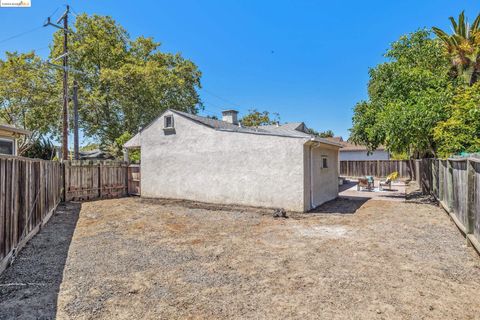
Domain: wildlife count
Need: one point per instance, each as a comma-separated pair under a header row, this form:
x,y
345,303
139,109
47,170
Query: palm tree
x,y
463,46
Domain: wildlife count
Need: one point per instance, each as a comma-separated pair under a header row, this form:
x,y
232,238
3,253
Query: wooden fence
x,y
87,180
376,168
30,191
455,183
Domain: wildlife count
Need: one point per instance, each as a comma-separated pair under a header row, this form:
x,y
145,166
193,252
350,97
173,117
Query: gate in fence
x,y
87,180
134,176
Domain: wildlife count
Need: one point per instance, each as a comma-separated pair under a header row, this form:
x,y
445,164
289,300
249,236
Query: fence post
x,y
470,196
449,186
441,182
100,180
417,171
127,191
63,170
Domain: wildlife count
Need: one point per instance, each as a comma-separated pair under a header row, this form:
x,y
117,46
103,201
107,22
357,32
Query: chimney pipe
x,y
230,116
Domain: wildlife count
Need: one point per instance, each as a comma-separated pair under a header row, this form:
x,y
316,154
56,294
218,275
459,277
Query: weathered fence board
x,y
476,199
456,184
88,180
459,180
376,168
134,179
30,190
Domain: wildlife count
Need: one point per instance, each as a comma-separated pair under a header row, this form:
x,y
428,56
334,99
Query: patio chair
x,y
367,183
388,182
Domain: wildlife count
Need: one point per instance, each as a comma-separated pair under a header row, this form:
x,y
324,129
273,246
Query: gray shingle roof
x,y
286,130
291,130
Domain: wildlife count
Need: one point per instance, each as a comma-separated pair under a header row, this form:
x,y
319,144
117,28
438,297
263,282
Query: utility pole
x,y
75,120
65,84
64,17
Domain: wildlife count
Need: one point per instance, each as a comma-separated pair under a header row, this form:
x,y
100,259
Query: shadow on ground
x,y
29,288
417,196
341,205
347,184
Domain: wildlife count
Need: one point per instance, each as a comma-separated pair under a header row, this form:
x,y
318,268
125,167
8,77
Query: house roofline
x,y
326,141
314,139
15,130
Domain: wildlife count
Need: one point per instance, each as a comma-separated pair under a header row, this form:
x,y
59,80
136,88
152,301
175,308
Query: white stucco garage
x,y
186,156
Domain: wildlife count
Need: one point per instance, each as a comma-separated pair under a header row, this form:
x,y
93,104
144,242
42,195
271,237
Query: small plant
x,y
42,148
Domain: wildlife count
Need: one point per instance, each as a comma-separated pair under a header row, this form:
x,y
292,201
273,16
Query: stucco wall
x,y
199,163
362,155
324,180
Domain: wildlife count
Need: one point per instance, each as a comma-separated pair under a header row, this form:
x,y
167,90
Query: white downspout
x,y
311,174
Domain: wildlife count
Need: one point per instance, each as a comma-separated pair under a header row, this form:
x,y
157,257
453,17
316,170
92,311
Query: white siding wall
x,y
362,155
202,164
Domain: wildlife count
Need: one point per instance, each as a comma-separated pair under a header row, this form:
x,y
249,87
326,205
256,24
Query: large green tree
x,y
408,96
124,83
28,96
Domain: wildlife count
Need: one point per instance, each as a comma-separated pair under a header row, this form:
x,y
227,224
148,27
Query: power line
x,y
215,106
73,11
54,11
20,34
219,97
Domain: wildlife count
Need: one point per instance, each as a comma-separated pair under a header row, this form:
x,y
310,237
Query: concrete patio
x,y
395,193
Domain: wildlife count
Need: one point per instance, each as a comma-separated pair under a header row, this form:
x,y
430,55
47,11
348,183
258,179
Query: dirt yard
x,y
133,258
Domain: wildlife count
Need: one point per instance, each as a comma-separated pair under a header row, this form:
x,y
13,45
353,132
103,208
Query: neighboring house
x,y
9,136
351,151
186,156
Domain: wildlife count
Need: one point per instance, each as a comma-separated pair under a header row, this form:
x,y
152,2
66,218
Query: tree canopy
x,y
461,131
321,134
408,96
425,100
256,118
28,96
124,83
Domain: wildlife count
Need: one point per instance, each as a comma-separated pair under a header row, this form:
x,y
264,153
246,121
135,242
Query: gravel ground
x,y
136,258
29,289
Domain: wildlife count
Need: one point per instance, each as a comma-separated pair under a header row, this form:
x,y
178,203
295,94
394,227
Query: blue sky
x,y
306,60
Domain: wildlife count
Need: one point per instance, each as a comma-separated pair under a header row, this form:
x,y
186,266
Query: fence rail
x,y
30,191
376,168
455,183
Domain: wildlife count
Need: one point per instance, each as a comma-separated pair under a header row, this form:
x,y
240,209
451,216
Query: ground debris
x,y
280,213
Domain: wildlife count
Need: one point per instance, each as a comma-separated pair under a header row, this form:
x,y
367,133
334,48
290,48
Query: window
x,y
324,162
6,146
168,122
